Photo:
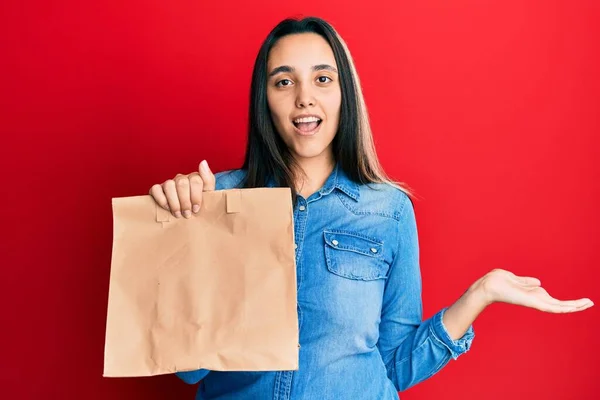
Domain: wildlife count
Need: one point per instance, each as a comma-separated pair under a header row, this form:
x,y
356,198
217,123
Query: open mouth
x,y
307,127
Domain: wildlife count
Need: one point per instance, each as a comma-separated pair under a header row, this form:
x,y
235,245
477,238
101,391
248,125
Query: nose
x,y
304,97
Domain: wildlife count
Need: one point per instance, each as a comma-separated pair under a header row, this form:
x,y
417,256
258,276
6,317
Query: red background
x,y
488,109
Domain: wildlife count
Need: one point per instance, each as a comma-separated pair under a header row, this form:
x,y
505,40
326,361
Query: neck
x,y
314,172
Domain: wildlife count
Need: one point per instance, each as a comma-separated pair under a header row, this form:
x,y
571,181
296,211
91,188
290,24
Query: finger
x,y
196,187
183,192
575,303
207,177
578,308
170,190
553,305
554,308
156,191
583,307
544,296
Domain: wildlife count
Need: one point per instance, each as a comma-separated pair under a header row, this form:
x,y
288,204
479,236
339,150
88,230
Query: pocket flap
x,y
358,243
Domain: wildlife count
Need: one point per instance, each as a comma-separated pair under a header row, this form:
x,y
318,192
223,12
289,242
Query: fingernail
x,y
196,208
204,166
167,207
177,214
187,213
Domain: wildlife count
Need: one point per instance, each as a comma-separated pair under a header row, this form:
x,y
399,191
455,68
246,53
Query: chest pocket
x,y
354,255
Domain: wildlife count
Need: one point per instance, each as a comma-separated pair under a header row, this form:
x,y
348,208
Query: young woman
x,y
357,255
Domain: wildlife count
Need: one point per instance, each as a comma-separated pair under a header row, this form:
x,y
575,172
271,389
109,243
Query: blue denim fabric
x,y
359,302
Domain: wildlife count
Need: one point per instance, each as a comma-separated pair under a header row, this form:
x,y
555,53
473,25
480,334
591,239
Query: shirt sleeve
x,y
192,377
413,350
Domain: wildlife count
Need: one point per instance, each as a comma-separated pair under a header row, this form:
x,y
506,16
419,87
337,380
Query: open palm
x,y
503,286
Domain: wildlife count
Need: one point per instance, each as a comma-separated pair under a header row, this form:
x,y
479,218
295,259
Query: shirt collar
x,y
339,180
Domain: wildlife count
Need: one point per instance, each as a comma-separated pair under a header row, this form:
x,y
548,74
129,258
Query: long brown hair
x,y
268,157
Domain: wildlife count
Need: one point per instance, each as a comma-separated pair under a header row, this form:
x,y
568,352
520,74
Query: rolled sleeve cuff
x,y
440,333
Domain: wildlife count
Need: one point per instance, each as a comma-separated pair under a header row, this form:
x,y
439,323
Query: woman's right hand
x,y
182,195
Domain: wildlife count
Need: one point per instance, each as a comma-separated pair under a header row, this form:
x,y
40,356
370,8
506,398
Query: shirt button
x,y
302,208
334,242
373,249
295,245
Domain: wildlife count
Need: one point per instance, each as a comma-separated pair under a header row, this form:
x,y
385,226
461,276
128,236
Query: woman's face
x,y
303,81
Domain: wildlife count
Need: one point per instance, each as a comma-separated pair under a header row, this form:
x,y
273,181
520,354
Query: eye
x,y
283,80
326,77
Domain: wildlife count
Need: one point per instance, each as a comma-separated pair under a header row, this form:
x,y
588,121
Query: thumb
x,y
528,280
207,177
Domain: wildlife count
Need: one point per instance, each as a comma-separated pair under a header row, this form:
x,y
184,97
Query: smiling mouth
x,y
307,127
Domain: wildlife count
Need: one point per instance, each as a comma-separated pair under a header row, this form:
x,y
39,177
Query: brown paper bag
x,y
216,291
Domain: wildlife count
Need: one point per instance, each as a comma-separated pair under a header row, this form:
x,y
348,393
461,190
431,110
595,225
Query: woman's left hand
x,y
505,287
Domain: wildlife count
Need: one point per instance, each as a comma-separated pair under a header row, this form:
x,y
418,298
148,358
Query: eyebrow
x,y
287,68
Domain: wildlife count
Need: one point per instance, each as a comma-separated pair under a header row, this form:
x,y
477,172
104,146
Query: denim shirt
x,y
359,302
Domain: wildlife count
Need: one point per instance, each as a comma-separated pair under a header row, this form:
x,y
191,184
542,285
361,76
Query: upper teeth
x,y
307,119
